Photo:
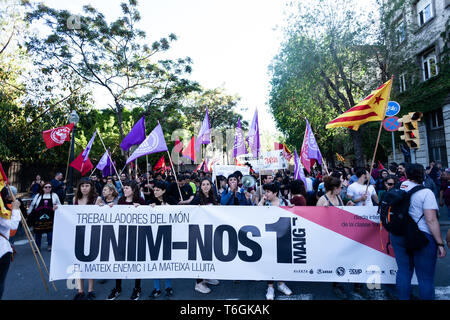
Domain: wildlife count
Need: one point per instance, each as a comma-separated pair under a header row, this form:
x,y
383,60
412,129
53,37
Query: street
x,y
24,283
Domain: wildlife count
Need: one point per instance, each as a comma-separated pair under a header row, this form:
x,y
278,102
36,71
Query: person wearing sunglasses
x,y
41,214
389,183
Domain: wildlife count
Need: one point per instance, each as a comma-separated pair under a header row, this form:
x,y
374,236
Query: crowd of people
x,y
341,186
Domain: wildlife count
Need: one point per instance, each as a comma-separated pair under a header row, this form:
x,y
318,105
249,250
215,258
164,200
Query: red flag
x,y
189,151
380,166
178,145
56,137
161,164
277,146
78,164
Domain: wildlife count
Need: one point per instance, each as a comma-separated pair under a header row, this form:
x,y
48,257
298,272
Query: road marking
x,y
442,293
307,296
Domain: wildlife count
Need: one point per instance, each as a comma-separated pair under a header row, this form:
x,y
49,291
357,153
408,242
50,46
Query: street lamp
x,y
73,118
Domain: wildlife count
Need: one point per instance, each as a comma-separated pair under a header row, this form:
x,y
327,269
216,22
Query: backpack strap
x,y
411,192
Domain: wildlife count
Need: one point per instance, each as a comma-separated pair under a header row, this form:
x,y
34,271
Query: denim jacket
x,y
227,198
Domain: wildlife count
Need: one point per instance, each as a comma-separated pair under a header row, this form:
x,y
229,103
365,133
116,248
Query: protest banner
x,y
226,170
270,160
334,244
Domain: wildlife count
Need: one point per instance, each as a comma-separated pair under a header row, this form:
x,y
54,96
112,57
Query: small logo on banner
x,y
322,271
340,271
354,271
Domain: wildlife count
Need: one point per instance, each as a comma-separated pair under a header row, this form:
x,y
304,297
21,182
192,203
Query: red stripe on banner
x,y
354,118
368,97
332,218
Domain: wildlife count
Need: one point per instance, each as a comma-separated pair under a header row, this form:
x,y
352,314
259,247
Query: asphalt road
x,y
24,283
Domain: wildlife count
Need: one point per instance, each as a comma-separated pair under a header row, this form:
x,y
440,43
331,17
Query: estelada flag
x,y
372,108
78,164
339,157
56,137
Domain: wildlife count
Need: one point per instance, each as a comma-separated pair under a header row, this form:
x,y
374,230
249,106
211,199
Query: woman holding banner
x,y
160,199
205,197
86,195
270,198
131,196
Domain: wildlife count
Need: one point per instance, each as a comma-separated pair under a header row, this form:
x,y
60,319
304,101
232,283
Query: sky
x,y
231,42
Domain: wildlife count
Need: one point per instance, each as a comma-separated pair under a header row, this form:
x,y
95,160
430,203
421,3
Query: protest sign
x,y
334,244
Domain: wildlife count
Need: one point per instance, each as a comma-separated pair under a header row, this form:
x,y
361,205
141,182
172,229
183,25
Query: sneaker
x,y
213,282
202,287
339,292
169,292
270,295
79,296
284,288
136,294
114,294
155,293
91,295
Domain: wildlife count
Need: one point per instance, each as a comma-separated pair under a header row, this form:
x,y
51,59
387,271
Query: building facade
x,y
418,43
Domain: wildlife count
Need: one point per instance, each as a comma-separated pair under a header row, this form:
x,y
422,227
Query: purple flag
x,y
103,161
253,136
105,164
312,149
154,143
298,169
239,142
135,136
204,136
86,151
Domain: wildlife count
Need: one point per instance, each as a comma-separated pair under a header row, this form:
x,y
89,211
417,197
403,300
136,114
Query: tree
x,y
326,65
113,55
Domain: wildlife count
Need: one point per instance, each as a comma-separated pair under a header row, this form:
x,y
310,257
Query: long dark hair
x,y
41,188
92,196
136,192
211,198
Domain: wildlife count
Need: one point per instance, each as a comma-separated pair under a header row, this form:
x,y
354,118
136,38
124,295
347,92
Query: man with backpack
x,y
416,238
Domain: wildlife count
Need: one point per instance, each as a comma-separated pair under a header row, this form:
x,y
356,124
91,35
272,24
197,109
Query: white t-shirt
x,y
309,185
356,191
421,200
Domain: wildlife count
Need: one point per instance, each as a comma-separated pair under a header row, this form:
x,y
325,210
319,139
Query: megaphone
x,y
248,181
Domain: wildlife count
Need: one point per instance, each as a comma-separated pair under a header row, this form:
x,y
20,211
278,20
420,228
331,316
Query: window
x,y
436,119
402,82
400,32
429,65
424,11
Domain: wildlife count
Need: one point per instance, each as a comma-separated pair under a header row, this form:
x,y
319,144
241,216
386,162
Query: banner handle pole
x,y
68,160
31,241
175,175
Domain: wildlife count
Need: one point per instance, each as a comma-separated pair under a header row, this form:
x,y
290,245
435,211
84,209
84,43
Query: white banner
x,y
216,242
270,160
226,170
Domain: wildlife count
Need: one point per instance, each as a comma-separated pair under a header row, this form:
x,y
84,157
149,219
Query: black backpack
x,y
395,218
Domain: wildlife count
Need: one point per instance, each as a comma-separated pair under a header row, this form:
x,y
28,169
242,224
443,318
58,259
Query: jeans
x,y
5,260
38,239
157,284
422,261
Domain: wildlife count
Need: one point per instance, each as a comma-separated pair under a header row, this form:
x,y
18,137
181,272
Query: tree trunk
x,y
358,147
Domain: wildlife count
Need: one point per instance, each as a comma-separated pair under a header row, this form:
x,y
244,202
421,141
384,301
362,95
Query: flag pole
x,y
120,181
175,175
379,135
